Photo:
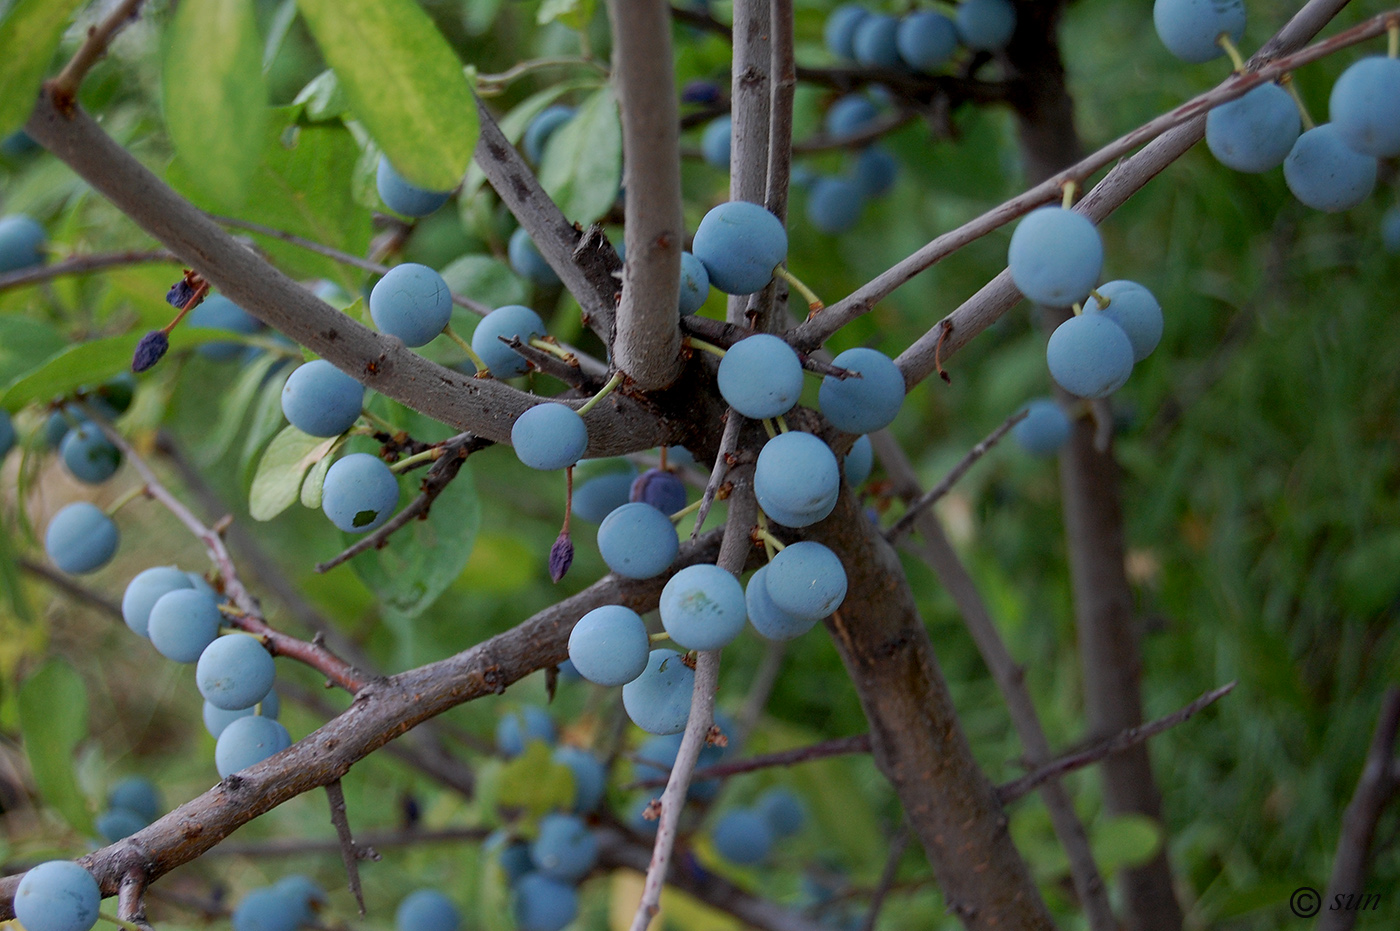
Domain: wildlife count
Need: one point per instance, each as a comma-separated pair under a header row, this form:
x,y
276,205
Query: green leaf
x,y
535,783
277,483
1125,841
11,585
234,405
422,559
24,345
264,423
215,95
403,82
322,98
582,168
576,14
514,124
315,483
29,36
485,279
53,713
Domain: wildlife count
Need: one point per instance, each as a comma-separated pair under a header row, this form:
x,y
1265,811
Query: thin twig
x,y
929,498
350,852
760,689
887,876
728,443
69,587
301,846
837,746
784,74
99,37
131,899
83,264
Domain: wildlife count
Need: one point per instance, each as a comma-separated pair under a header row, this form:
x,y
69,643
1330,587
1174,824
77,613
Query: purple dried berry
x,y
659,488
179,294
150,350
561,556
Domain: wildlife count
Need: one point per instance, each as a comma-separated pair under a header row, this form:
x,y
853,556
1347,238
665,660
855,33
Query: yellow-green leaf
x,y
582,165
53,720
29,36
277,483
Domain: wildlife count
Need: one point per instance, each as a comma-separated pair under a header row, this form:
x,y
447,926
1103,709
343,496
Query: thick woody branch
x,y
784,78
750,101
648,340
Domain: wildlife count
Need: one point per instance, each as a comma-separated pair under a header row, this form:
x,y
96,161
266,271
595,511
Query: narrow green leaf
x,y
11,586
1125,841
582,167
264,423
277,31
29,35
215,95
485,279
53,714
315,482
24,345
404,83
575,14
277,483
322,98
234,405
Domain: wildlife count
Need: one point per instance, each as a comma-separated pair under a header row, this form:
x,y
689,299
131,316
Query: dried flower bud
x,y
180,293
150,350
561,556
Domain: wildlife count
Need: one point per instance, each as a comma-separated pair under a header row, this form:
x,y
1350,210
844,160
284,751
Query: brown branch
x,y
351,853
728,443
82,265
301,846
131,898
74,590
99,37
838,746
749,101
784,77
887,876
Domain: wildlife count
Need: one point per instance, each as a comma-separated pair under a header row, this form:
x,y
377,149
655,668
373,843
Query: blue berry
x,y
1045,429
57,896
549,436
411,302
514,858
865,404
768,619
599,496
426,910
359,493
740,244
875,41
321,400
515,729
1089,356
564,849
760,376
1365,106
182,623
926,40
702,607
806,579
876,171
7,433
1255,132
986,25
138,795
89,455
1133,308
658,701
656,757
528,263
266,909
401,197
609,645
305,896
834,204
1390,230
22,242
590,778
234,672
796,479
1325,173
742,836
543,904
542,127
783,811
839,32
701,91
659,488
217,312
1190,29
637,541
849,116
508,321
115,823
248,741
1056,256
714,142
216,718
858,462
80,538
143,591
695,284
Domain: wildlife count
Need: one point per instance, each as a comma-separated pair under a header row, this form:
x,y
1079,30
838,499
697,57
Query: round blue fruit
x,y
1056,256
661,489
528,263
542,127
1045,429
609,645
796,479
876,171
768,619
590,778
783,810
834,204
742,836
115,823
1365,106
512,320
597,497
143,591
658,701
1190,29
865,404
1135,309
514,858
266,909
1089,356
80,538
695,284
1325,173
702,607
217,312
182,623
564,849
136,794
926,40
986,25
57,896
411,302
656,757
359,493
1255,132
21,243
247,742
321,400
304,894
426,910
549,436
89,455
515,729
234,672
216,718
839,32
760,376
540,903
858,462
401,197
740,244
806,579
849,116
715,140
875,41
637,541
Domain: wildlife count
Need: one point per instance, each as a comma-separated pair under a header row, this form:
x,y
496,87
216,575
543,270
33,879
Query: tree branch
x,y
83,264
99,37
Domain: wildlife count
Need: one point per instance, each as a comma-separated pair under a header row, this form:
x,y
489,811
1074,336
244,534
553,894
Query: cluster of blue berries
x,y
745,836
132,804
924,40
292,902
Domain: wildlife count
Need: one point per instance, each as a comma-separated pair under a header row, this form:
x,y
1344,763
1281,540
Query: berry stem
x,y
1392,46
138,492
427,455
1099,299
814,303
782,423
1069,188
465,347
602,393
762,535
1224,41
377,421
771,541
1077,307
1287,82
659,636
696,343
568,499
554,349
769,428
121,922
688,509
